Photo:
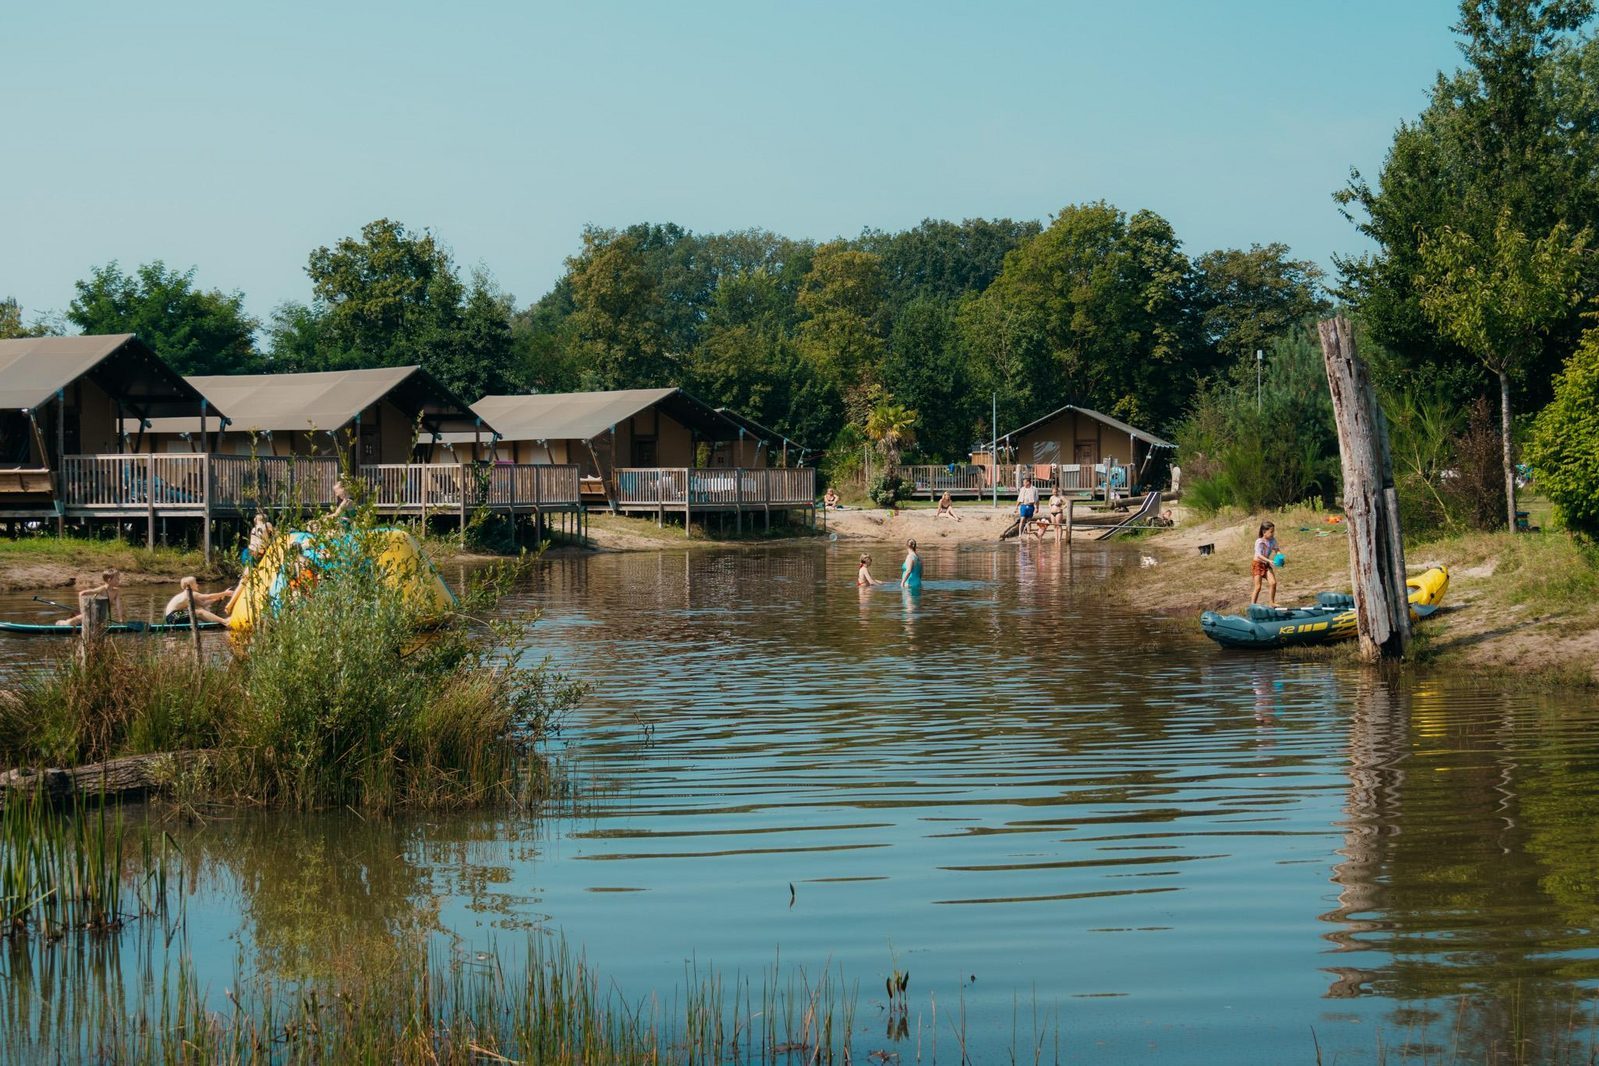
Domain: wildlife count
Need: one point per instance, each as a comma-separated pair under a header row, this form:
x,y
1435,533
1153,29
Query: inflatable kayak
x,y
46,629
292,563
1330,618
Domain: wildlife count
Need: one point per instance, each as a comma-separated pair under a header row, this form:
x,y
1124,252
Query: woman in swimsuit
x,y
863,576
946,508
1057,511
910,574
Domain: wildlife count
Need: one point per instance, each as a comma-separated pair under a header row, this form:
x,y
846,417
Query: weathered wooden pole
x,y
194,627
96,611
1371,503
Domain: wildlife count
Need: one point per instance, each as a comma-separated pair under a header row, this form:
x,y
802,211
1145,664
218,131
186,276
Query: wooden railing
x,y
197,482
122,481
273,482
975,479
721,487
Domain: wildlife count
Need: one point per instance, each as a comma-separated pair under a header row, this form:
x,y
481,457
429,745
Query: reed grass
x,y
66,871
427,1008
338,700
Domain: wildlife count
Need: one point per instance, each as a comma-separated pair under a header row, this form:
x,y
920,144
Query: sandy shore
x,y
1506,610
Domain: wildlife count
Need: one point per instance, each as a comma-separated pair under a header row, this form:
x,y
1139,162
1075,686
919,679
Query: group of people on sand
x,y
910,571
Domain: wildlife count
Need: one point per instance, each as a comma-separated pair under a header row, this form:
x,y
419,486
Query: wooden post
x,y
194,626
1371,503
96,611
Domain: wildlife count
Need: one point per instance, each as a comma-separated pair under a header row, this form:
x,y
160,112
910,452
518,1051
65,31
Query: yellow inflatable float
x,y
295,560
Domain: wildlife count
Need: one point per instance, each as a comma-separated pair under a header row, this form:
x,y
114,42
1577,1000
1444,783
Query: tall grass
x,y
338,700
64,871
553,1008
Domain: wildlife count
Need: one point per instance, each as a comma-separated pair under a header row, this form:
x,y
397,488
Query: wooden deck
x,y
149,487
224,485
975,480
687,490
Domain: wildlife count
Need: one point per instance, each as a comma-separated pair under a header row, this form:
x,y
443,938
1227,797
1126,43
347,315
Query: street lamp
x,y
1260,362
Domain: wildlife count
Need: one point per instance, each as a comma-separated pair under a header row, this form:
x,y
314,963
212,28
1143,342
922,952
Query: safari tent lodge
x,y
642,451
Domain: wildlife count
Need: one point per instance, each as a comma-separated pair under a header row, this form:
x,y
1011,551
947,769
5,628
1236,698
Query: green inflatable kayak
x,y
46,629
1330,618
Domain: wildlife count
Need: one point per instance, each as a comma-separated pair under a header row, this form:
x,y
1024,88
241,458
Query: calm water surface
x,y
1035,804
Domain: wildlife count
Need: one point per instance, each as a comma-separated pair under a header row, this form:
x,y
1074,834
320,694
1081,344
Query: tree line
x,y
1098,307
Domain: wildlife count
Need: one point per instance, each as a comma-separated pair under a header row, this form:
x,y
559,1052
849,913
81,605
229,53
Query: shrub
x,y
337,700
887,490
1475,491
1564,449
1270,452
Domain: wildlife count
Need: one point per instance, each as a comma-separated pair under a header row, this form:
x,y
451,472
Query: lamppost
x,y
1260,362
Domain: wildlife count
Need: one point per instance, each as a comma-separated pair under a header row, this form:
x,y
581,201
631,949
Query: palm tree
x,y
892,427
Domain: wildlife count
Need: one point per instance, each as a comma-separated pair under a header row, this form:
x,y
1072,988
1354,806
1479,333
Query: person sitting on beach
x,y
1026,503
1261,566
177,609
110,587
830,500
863,576
946,507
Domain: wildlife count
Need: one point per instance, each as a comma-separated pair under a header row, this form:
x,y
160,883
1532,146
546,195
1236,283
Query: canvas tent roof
x,y
770,437
586,415
1115,423
34,369
322,400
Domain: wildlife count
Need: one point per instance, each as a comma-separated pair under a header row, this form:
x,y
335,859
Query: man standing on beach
x,y
1026,503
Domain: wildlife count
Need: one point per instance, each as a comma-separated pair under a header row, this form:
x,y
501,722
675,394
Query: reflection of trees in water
x,y
1467,872
334,894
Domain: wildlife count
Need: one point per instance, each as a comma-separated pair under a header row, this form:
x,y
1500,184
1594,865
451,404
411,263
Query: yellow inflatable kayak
x,y
294,560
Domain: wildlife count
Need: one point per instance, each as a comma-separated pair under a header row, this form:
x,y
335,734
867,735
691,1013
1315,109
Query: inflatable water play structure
x,y
294,561
1330,618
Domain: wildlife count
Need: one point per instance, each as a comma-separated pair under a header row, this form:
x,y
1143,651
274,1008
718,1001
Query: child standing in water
x,y
910,574
1261,566
863,576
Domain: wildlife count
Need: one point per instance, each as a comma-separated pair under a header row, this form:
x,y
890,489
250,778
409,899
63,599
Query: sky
x,y
237,138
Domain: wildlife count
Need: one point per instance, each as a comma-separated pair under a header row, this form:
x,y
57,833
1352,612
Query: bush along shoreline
x,y
340,697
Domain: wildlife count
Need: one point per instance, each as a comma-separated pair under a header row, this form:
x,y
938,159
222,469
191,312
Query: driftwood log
x,y
128,775
1371,503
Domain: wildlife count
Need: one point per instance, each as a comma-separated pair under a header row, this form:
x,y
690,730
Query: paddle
x,y
136,627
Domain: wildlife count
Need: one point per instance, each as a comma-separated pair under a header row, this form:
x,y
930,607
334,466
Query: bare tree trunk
x,y
1376,548
1504,439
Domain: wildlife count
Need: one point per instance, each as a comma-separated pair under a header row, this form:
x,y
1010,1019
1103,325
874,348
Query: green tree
x,y
1564,448
844,328
1098,310
1508,133
926,368
1249,298
619,313
195,331
11,325
1498,299
390,298
943,259
892,428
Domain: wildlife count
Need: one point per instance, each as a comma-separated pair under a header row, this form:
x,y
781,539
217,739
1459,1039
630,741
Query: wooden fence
x,y
676,488
202,484
967,479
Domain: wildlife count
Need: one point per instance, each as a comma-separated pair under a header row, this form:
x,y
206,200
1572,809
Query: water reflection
x,y
1007,787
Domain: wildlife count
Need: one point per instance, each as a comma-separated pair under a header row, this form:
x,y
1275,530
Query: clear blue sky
x,y
237,138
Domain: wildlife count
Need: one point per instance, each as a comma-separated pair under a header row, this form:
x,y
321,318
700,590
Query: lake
x,y
1068,825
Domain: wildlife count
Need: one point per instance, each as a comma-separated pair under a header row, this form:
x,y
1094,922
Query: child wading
x,y
1261,566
